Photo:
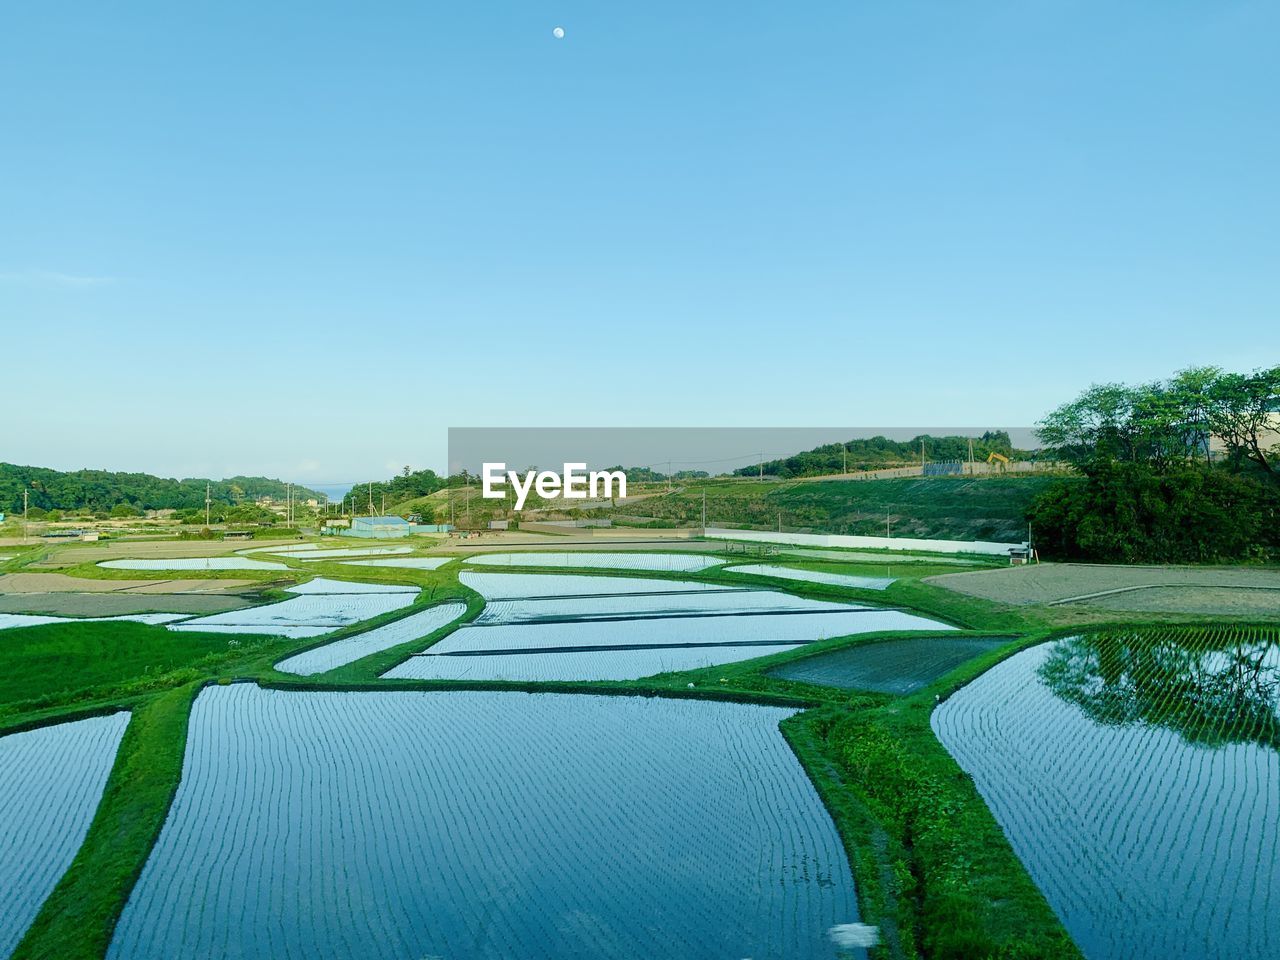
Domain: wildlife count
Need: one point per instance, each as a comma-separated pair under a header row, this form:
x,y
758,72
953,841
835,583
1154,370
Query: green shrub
x,y
1133,513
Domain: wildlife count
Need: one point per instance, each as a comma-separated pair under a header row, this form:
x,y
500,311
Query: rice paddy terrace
x,y
412,755
1136,774
487,824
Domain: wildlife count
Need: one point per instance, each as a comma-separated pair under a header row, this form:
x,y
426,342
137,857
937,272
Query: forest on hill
x,y
100,491
873,453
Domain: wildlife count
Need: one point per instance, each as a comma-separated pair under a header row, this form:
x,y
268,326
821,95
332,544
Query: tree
x,y
1194,387
1242,413
1096,425
1167,423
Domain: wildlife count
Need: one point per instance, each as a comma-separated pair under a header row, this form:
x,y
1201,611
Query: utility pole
x,y
971,456
371,498
25,531
704,513
844,459
779,521
887,534
922,455
668,476
761,466
207,501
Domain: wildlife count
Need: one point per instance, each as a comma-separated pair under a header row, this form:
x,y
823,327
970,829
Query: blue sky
x,y
304,239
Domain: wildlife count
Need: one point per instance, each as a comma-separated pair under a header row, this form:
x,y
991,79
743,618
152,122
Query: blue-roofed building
x,y
379,528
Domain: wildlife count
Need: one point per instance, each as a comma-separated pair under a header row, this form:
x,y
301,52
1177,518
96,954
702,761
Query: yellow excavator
x,y
999,459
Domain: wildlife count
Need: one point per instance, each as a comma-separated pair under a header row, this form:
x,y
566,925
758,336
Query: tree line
x,y
873,453
100,491
1183,470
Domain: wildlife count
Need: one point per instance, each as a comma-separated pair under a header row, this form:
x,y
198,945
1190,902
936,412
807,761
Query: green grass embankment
x,y
79,917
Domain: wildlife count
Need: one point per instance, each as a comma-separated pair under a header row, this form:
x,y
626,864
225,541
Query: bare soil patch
x,y
117,604
61,583
1227,591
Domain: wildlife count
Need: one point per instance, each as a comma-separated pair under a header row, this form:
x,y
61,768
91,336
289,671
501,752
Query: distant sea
x,y
334,491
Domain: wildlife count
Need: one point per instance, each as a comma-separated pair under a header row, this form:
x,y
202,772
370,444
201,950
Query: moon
x,y
558,33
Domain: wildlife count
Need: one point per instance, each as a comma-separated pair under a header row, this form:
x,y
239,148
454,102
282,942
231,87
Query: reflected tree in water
x,y
1212,686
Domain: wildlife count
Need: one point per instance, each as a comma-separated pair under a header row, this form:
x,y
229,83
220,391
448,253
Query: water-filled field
x,y
408,563
315,556
318,606
887,666
341,652
669,562
599,664
51,780
479,824
794,627
557,627
523,586
650,605
8,620
282,548
814,576
1137,776
192,563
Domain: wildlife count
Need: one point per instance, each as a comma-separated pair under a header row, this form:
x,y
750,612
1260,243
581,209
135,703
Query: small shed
x,y
379,528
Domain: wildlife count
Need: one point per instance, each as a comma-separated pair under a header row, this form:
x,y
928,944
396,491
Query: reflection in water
x,y
1212,686
1138,779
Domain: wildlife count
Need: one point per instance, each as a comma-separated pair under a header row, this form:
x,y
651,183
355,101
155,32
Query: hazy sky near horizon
x,y
303,240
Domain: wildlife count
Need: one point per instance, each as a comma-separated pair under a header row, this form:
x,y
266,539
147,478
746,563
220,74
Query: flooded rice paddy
x,y
1137,776
193,563
521,586
317,607
888,666
668,562
480,824
814,576
316,556
632,606
408,563
341,652
8,620
568,628
51,780
795,627
559,665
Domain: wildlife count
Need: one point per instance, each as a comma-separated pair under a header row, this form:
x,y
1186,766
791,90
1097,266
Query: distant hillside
x,y
877,452
100,490
953,508
400,494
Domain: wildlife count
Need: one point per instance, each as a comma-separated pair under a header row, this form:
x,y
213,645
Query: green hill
x,y
953,508
872,453
100,490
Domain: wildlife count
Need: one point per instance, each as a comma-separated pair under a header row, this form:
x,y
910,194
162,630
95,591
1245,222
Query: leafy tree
x,y
121,510
1242,411
1170,422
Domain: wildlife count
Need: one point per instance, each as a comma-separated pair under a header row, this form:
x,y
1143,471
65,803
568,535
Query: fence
x,y
987,547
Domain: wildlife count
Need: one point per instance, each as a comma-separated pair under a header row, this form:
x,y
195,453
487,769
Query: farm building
x,y
378,528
